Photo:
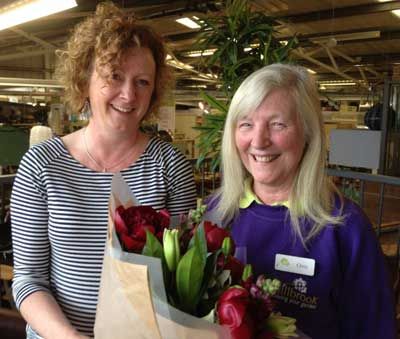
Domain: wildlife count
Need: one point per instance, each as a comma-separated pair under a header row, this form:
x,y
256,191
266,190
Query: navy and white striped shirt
x,y
59,213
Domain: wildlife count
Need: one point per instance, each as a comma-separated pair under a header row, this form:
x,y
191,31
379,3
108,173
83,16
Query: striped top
x,y
59,213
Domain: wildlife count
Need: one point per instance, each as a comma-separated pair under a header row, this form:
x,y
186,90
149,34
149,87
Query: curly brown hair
x,y
105,37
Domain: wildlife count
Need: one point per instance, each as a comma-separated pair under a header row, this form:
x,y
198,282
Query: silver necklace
x,y
104,168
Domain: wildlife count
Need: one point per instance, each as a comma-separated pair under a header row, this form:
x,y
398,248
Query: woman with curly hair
x,y
115,69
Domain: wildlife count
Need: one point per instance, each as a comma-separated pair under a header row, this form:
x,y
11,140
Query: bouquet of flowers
x,y
191,282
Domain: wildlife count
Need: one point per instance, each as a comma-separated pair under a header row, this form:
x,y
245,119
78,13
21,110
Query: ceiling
x,y
356,41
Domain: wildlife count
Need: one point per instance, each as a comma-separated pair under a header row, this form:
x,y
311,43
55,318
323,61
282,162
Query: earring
x,y
85,111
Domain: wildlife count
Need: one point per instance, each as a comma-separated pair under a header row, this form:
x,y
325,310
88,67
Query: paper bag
x,y
132,299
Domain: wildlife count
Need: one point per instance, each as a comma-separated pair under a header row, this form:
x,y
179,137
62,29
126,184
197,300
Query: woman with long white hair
x,y
292,221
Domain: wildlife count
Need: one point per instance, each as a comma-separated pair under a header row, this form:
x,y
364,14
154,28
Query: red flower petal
x,y
215,236
232,306
164,218
236,268
119,222
139,231
232,313
132,244
245,330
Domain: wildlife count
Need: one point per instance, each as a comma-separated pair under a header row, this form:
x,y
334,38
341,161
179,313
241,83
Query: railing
x,y
206,179
382,180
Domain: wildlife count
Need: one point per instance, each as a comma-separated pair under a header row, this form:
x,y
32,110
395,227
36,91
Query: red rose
x,y
215,236
131,225
131,244
164,218
232,311
119,222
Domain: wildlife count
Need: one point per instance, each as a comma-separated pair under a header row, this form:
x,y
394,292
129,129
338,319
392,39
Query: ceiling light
x,y
28,10
396,12
338,83
311,71
188,22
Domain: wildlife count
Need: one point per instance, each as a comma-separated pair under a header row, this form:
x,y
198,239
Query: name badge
x,y
292,264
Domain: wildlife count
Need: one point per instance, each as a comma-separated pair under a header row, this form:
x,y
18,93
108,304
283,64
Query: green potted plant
x,y
243,41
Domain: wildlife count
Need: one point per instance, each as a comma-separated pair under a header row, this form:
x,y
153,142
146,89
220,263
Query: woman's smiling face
x,y
271,142
122,102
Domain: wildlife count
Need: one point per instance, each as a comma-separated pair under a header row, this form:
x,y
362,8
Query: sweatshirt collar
x,y
249,196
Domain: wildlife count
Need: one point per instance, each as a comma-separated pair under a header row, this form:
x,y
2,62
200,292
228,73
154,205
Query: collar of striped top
x,y
249,196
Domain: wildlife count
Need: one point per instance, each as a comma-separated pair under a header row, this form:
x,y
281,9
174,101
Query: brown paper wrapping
x,y
125,302
132,301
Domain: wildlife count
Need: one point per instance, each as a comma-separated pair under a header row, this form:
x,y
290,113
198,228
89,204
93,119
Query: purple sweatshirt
x,y
349,295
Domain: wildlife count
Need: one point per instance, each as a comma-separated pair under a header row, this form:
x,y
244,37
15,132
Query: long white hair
x,y
312,193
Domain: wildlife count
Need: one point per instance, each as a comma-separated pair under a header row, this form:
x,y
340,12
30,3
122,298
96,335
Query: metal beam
x,y
325,66
341,12
362,74
34,38
331,58
29,82
21,55
31,94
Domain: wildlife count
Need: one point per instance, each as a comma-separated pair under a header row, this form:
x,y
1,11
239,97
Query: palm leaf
x,y
229,33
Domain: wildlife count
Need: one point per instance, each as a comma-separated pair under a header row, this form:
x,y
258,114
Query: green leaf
x,y
199,240
153,247
214,102
189,276
209,270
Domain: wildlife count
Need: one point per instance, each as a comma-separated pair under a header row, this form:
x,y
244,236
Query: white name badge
x,y
292,264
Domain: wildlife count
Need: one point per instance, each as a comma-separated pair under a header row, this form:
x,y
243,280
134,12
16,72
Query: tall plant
x,y
243,41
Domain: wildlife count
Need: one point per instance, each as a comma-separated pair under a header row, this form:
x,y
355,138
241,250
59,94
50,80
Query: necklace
x,y
104,168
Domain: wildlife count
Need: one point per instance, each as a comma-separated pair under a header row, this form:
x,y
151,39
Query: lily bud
x,y
226,246
247,272
172,252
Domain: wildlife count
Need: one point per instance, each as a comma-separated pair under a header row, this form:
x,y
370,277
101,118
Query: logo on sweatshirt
x,y
300,285
295,293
